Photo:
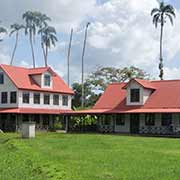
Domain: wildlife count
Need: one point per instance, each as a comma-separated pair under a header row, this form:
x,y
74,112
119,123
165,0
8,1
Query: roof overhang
x,y
33,111
129,111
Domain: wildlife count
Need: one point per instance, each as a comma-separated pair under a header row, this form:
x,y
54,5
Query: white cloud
x,y
4,59
64,13
121,34
124,28
172,73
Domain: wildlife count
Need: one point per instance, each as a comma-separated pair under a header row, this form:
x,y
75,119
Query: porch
x,y
131,123
44,122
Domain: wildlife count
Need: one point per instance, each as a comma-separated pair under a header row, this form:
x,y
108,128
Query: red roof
x,y
164,98
34,111
21,77
144,83
166,95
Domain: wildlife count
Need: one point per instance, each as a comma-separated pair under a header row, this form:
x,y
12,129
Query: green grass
x,y
88,157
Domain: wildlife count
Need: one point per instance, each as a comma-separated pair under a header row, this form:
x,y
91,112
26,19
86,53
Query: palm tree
x,y
15,29
159,17
43,18
32,21
48,38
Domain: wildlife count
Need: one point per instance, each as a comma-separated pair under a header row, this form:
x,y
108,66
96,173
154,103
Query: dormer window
x,y
1,78
135,95
47,80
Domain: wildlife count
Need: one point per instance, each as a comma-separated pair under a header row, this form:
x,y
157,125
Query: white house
x,y
139,106
36,94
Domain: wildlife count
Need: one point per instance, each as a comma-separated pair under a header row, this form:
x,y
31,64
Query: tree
x,y
42,22
89,96
99,79
15,29
159,17
32,21
48,38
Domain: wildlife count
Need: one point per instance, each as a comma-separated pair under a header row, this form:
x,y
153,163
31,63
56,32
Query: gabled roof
x,y
21,78
40,70
166,96
144,83
164,99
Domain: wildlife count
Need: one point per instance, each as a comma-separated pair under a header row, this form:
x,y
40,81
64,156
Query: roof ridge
x,y
169,80
39,68
114,83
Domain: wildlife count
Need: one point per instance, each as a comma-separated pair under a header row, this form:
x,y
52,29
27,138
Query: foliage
x,y
85,121
85,157
103,76
159,17
98,80
77,96
36,21
58,124
48,38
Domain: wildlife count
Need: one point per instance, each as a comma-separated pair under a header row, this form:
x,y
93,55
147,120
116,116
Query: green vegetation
x,y
88,157
98,80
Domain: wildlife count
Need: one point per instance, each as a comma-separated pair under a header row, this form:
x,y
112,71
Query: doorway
x,y
134,123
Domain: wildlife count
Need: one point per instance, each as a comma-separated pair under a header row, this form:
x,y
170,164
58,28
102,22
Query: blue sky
x,y
121,34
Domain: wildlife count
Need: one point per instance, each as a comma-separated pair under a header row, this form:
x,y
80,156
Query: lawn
x,y
88,157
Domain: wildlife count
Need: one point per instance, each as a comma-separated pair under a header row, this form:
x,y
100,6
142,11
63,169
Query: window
x,y
56,99
65,100
150,119
106,120
166,119
13,97
1,78
46,98
47,80
26,97
36,98
4,97
135,94
120,120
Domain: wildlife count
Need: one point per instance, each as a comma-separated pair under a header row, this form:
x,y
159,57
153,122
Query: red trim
x,y
33,111
110,111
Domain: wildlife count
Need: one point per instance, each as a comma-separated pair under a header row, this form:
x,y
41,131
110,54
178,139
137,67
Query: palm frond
x,y
170,18
12,32
156,19
155,10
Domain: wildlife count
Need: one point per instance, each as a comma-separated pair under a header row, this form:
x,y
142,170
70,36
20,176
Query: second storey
x,y
38,96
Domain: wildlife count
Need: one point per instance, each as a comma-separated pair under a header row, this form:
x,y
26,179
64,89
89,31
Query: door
x,y
134,123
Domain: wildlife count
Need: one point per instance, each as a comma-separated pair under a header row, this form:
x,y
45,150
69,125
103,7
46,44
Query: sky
x,y
121,34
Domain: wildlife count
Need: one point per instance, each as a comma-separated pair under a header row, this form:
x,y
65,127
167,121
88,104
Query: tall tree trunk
x,y
15,47
43,49
44,53
82,75
46,56
68,57
161,47
32,49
